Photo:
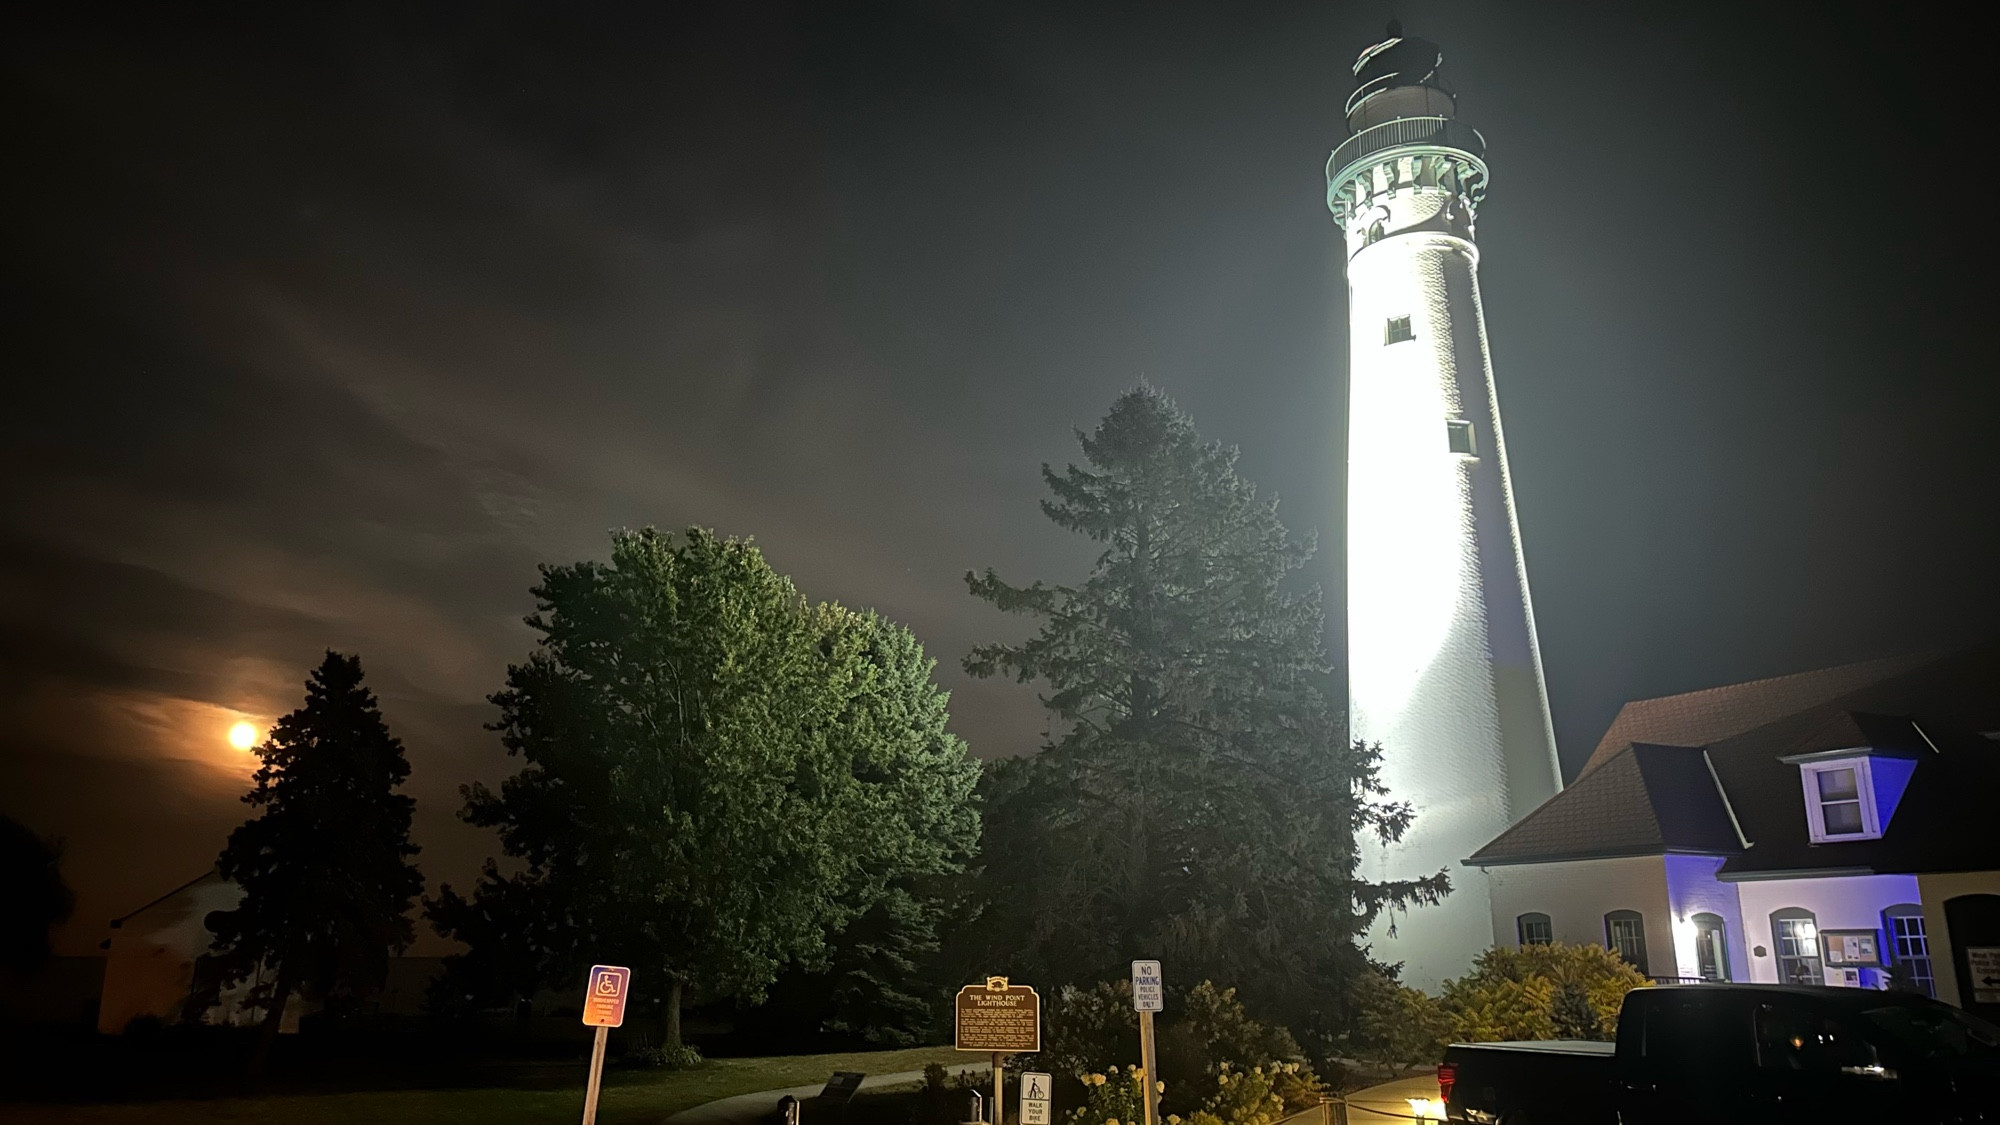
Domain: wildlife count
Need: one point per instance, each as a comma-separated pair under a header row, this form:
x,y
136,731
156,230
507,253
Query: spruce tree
x,y
326,869
1198,804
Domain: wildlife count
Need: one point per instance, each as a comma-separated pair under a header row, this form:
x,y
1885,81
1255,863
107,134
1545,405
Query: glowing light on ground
x,y
243,736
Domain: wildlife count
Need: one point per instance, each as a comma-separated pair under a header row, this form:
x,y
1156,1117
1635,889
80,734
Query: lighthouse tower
x,y
1444,670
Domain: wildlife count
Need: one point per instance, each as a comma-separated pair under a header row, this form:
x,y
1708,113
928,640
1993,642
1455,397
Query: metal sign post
x,y
603,1008
1035,1088
1148,996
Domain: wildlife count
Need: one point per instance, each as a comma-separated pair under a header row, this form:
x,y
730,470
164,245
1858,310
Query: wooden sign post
x,y
1002,1019
1148,996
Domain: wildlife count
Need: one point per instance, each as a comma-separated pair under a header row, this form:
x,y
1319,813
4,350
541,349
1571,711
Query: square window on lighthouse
x,y
1459,437
1398,330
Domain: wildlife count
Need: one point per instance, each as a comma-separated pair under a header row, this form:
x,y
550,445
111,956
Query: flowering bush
x,y
1204,1035
1297,1086
1246,1097
1116,1098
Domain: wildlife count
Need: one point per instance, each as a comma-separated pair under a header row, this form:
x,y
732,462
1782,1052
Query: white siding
x,y
1692,889
1838,902
1576,896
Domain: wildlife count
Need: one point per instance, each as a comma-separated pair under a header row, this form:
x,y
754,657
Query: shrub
x,y
1088,1030
664,1057
1204,1033
1210,1026
1246,1097
1113,1098
1540,992
1396,1027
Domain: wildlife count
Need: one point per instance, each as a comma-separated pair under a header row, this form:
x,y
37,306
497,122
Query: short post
x,y
596,1082
999,1089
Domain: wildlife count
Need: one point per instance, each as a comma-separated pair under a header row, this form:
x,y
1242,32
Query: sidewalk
x,y
757,1108
1379,1105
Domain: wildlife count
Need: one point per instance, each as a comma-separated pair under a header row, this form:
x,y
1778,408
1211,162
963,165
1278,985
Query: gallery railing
x,y
1405,132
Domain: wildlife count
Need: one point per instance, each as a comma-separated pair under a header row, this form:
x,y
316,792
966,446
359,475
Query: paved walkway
x,y
1376,1105
758,1108
1379,1105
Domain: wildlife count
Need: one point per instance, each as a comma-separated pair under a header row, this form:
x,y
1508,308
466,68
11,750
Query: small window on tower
x,y
1458,434
1399,330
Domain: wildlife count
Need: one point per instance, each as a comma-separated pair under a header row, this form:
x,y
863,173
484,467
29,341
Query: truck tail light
x,y
1447,1078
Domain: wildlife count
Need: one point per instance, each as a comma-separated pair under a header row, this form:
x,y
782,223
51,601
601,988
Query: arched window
x,y
1534,929
1909,948
1795,931
1625,935
1711,947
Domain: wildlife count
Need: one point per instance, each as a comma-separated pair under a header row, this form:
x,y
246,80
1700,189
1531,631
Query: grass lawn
x,y
631,1097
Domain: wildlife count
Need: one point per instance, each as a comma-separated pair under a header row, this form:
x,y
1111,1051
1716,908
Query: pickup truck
x,y
1742,1053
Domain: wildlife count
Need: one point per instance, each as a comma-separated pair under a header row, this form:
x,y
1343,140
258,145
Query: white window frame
x,y
1864,784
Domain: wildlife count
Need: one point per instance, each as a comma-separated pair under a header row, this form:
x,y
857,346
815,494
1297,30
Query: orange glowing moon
x,y
243,736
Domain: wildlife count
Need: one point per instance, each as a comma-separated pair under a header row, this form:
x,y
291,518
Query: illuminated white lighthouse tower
x,y
1443,666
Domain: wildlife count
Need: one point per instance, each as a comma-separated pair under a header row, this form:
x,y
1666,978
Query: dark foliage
x,y
719,780
37,897
1198,804
326,869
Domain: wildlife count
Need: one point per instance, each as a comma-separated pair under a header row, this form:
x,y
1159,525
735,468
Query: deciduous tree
x,y
717,775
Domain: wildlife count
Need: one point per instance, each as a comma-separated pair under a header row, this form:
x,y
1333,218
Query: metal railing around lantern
x,y
1404,132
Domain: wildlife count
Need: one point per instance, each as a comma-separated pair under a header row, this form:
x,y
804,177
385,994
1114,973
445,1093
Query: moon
x,y
243,736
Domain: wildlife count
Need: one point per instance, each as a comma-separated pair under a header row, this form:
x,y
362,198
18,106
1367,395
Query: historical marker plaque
x,y
999,1017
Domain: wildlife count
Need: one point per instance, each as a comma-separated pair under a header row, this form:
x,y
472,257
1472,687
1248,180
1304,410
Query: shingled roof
x,y
1726,772
1698,718
1645,800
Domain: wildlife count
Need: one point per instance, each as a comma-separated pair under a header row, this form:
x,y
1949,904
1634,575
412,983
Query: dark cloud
x,y
326,324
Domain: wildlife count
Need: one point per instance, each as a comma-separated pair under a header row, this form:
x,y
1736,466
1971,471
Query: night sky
x,y
324,325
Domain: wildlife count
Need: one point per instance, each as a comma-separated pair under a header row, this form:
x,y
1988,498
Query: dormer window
x,y
1851,793
1840,797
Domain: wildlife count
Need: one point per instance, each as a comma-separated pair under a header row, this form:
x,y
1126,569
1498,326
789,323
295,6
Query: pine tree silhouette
x,y
326,873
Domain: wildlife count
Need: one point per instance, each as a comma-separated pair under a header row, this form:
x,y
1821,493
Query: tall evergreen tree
x,y
326,869
1199,804
718,775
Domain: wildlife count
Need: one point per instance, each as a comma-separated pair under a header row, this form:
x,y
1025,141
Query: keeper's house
x,y
1838,826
